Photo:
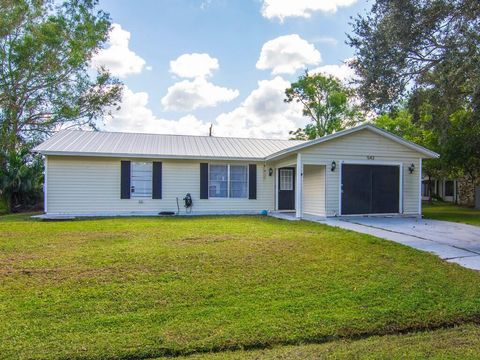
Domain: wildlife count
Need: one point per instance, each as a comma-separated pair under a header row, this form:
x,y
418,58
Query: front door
x,y
286,189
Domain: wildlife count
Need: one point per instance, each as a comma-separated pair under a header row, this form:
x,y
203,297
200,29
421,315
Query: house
x,y
459,191
359,171
444,189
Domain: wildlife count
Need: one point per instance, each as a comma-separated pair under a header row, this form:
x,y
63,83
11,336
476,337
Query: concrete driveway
x,y
458,243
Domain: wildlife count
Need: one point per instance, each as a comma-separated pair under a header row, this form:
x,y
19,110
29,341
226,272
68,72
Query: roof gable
x,y
408,144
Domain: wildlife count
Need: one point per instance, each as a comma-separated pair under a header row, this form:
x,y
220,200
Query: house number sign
x,y
370,157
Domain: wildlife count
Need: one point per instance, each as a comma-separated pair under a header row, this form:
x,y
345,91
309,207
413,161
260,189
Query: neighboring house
x,y
444,189
363,170
458,191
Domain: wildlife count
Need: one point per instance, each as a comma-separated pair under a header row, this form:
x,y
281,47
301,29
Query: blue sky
x,y
220,86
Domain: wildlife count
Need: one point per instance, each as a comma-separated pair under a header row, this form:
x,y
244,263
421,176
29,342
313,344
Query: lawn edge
x,y
313,340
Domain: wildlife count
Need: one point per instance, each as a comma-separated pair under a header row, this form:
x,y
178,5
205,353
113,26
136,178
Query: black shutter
x,y
157,180
203,181
125,180
252,181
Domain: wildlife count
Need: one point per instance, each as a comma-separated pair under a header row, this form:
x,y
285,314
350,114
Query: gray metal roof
x,y
117,144
96,143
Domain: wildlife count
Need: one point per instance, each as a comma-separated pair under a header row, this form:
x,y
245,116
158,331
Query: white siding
x,y
81,185
314,190
290,161
357,146
92,184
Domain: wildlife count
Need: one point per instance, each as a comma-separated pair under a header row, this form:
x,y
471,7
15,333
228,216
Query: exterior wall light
x,y
411,168
270,172
334,166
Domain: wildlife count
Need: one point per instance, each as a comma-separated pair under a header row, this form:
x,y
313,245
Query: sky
x,y
189,64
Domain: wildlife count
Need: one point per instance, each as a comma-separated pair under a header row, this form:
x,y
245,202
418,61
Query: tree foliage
x,y
425,54
21,178
404,45
326,101
401,123
46,82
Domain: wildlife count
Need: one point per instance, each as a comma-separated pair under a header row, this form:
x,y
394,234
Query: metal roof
x,y
117,144
98,143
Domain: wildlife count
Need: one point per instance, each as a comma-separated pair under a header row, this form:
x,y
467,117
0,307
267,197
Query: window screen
x,y
218,181
228,181
238,181
286,179
141,180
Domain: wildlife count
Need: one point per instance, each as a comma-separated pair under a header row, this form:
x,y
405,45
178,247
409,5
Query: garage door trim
x,y
372,162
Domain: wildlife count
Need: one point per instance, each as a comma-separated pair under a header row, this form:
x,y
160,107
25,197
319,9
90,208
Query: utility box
x,y
477,197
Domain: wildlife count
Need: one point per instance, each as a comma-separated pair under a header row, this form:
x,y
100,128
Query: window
x,y
449,188
286,179
425,188
238,181
141,180
228,181
218,181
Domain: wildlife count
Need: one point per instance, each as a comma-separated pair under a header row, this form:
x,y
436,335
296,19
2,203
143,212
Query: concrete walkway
x,y
458,243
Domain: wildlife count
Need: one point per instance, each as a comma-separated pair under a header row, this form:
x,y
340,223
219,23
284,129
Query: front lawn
x,y
146,287
449,212
462,342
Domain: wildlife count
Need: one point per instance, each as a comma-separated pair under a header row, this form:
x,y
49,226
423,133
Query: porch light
x,y
334,166
270,172
411,168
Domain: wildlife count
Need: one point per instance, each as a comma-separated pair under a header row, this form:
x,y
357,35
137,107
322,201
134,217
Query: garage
x,y
370,189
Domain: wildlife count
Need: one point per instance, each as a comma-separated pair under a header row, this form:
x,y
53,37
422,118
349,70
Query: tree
x,y
21,179
326,101
426,53
462,146
401,123
411,44
46,82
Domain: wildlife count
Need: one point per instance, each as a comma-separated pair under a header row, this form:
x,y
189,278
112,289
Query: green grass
x,y
146,287
462,342
449,212
3,206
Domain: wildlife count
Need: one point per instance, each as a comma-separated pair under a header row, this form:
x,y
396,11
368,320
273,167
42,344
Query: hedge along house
x,y
359,171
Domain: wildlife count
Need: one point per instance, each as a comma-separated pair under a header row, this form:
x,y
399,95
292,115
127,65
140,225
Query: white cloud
x,y
343,72
117,57
287,54
135,116
194,65
282,9
263,114
188,95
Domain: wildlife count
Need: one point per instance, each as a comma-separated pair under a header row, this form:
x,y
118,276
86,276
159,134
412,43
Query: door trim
x,y
373,163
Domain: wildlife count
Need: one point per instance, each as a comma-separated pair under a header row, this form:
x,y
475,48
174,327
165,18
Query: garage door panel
x,y
370,189
356,185
385,190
